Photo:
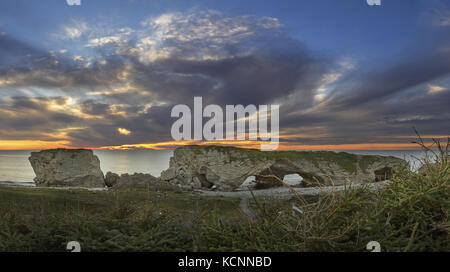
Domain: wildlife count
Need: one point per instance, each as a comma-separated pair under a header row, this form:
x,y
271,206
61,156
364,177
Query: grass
x,y
367,161
119,220
411,214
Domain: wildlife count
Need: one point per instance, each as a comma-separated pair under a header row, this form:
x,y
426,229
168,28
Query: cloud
x,y
175,56
433,89
124,131
378,85
15,53
33,118
74,29
61,73
198,35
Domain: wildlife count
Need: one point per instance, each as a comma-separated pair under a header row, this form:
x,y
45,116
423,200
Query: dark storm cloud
x,y
274,68
375,105
225,64
93,108
374,121
64,74
25,65
256,70
25,117
146,126
259,78
380,85
14,52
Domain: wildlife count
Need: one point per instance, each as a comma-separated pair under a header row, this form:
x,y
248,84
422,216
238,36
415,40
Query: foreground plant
x,y
411,214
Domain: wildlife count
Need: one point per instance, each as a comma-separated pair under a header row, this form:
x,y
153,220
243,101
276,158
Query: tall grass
x,y
411,214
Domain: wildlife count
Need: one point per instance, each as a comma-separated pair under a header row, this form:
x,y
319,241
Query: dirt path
x,y
283,192
245,195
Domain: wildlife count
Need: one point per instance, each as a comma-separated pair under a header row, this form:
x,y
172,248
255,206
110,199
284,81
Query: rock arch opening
x,y
383,174
293,179
267,181
204,181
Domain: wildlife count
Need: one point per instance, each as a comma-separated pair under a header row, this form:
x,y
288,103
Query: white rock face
x,y
226,168
67,168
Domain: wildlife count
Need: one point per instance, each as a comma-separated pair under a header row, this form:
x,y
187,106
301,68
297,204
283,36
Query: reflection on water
x,y
14,165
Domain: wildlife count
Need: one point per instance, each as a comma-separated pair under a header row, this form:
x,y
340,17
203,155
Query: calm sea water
x,y
14,165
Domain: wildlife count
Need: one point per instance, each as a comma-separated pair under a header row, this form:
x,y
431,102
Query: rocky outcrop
x,y
111,179
214,167
226,168
67,168
141,181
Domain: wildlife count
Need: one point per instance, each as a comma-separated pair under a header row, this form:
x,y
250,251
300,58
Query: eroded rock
x,y
67,168
226,168
111,179
143,181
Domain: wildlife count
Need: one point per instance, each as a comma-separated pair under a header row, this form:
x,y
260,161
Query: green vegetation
x,y
367,161
411,214
116,220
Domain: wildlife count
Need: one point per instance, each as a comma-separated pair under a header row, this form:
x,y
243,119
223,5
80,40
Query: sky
x,y
106,74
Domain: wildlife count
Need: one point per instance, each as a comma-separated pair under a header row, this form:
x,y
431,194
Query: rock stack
x,y
67,168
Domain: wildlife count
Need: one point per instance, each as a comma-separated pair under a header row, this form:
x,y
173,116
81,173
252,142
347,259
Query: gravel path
x,y
286,192
282,192
245,195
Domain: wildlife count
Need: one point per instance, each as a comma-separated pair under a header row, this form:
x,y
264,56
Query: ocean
x,y
15,167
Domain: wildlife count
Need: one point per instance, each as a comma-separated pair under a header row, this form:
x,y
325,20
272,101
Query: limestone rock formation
x,y
142,181
226,168
67,168
111,179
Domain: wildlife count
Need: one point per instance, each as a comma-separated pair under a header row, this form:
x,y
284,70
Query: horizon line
x,y
172,145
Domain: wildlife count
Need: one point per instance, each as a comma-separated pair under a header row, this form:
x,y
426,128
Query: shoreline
x,y
248,193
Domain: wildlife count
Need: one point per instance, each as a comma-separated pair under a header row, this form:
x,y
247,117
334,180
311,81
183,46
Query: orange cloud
x,y
32,144
256,145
